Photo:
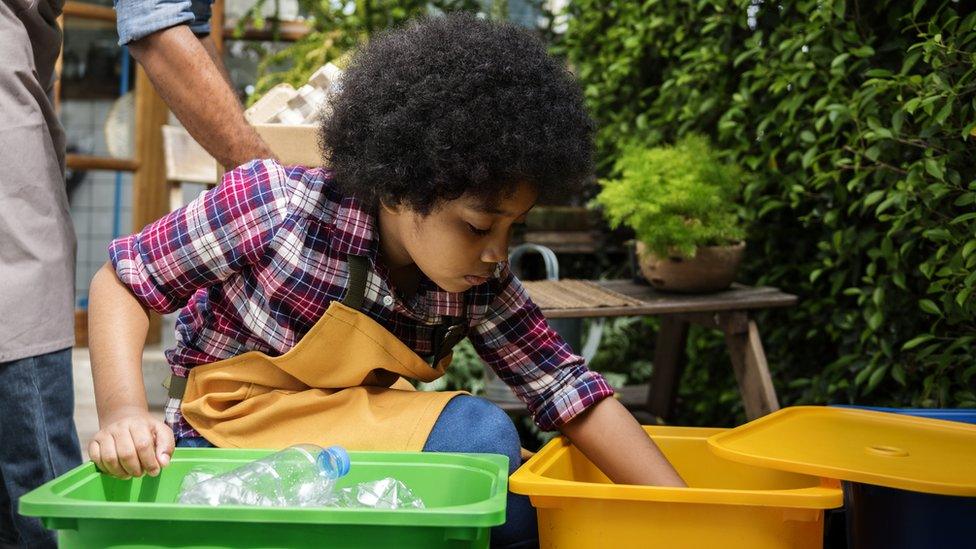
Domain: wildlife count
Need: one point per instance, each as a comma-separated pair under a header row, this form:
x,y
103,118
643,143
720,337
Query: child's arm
x,y
613,440
131,441
516,341
200,245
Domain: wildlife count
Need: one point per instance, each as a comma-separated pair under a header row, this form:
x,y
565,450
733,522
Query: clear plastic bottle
x,y
303,475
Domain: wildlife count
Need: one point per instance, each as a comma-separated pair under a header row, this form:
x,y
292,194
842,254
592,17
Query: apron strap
x,y
175,386
356,288
445,335
448,334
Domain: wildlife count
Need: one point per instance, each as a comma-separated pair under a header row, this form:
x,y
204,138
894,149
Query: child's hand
x,y
131,444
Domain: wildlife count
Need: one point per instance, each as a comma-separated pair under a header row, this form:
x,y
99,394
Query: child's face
x,y
459,244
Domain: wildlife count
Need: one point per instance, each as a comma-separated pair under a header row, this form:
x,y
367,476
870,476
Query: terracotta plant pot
x,y
712,269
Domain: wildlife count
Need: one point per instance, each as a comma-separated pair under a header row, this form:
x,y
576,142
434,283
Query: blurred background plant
x,y
675,198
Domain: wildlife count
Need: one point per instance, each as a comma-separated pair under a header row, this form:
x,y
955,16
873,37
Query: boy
x,y
308,293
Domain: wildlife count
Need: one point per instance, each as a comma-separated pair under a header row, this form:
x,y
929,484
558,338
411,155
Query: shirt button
x,y
388,300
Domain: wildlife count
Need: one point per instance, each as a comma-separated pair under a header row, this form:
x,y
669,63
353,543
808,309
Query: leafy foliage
x,y
676,199
336,29
856,119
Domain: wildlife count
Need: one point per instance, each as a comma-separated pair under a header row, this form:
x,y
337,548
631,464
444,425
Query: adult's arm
x,y
192,85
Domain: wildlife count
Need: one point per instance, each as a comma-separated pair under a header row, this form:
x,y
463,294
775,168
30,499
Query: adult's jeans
x,y
38,440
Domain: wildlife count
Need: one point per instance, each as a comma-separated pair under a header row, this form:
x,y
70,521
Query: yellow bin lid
x,y
893,450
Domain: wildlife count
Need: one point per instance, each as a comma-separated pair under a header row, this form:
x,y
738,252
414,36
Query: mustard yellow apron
x,y
343,383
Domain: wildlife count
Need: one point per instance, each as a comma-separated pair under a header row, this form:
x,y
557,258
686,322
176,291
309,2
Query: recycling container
x,y
727,504
464,496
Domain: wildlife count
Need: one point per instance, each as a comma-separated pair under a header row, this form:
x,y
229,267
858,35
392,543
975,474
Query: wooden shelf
x,y
84,10
80,23
81,328
89,89
88,162
288,31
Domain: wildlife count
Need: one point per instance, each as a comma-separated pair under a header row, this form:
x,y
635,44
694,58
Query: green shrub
x,y
855,119
676,199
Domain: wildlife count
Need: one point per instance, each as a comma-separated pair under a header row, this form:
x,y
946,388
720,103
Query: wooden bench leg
x,y
751,370
669,362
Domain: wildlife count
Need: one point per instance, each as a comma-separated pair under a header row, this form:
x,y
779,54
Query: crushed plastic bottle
x,y
197,475
387,493
303,475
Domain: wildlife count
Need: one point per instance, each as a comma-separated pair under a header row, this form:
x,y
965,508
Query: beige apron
x,y
343,383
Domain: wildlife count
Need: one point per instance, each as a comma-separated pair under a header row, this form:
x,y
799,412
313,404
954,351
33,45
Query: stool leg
x,y
669,363
751,371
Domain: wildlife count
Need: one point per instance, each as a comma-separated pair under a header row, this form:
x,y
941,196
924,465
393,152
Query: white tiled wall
x,y
93,203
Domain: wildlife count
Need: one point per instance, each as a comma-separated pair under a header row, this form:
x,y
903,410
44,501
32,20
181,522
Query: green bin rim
x,y
49,500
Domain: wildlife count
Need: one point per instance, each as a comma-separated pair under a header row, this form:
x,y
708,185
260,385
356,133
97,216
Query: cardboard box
x,y
294,145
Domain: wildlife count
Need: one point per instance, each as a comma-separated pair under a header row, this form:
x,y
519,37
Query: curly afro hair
x,y
452,105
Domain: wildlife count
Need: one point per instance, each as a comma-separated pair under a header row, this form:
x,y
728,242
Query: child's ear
x,y
391,208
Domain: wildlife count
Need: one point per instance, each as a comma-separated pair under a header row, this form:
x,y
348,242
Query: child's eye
x,y
477,231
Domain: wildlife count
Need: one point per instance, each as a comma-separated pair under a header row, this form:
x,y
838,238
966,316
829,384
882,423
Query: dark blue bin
x,y
888,518
962,415
878,517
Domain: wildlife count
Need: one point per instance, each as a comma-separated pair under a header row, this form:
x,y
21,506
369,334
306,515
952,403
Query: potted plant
x,y
682,203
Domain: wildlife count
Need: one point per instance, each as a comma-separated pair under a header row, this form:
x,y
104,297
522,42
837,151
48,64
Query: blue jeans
x,y
37,438
472,424
136,19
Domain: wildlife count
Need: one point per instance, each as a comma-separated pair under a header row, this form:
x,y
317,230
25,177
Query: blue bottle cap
x,y
334,460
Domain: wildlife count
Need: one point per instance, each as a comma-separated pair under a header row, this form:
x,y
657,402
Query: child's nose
x,y
496,251
492,255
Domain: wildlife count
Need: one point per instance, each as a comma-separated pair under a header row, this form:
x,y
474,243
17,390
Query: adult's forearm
x,y
211,47
613,440
191,84
117,327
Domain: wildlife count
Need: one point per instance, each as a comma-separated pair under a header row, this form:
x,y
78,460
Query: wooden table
x,y
728,311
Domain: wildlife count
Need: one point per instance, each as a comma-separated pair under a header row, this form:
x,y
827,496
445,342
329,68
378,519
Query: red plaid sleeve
x,y
531,358
204,242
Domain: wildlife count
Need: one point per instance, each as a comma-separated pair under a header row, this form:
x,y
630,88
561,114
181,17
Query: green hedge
x,y
855,119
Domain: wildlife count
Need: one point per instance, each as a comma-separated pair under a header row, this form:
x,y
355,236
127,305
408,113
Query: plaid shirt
x,y
255,263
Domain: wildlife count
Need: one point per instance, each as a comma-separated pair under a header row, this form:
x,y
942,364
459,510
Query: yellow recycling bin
x,y
727,504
